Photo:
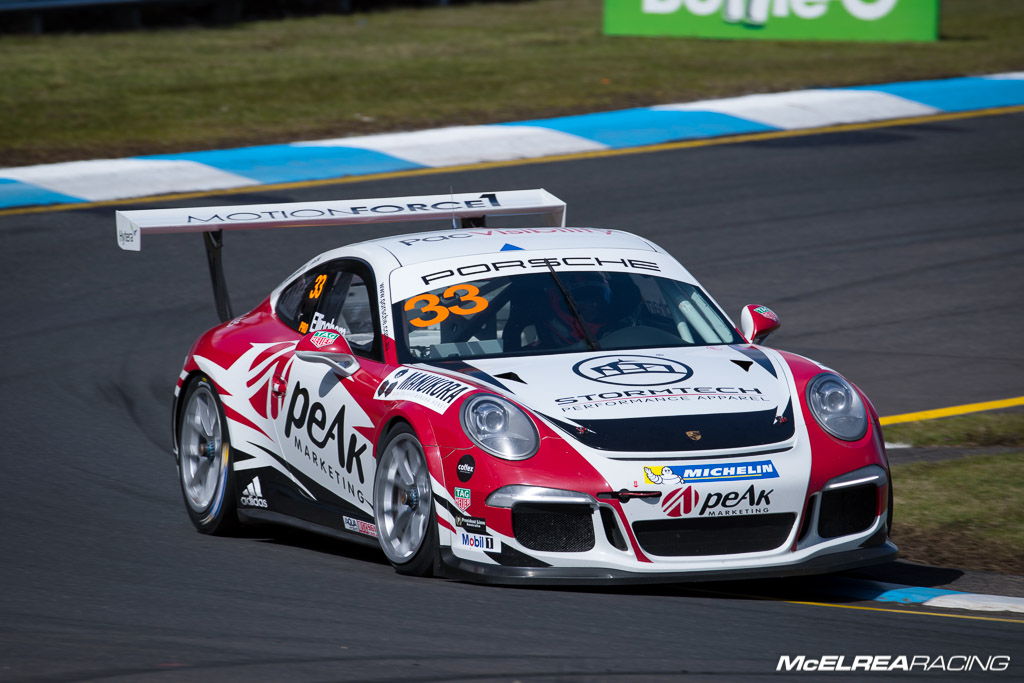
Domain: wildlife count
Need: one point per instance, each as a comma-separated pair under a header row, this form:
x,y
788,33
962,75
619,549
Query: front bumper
x,y
466,570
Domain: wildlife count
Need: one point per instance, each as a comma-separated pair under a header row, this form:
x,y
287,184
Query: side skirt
x,y
269,517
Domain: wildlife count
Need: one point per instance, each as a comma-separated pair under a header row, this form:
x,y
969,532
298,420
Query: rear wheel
x,y
403,505
204,460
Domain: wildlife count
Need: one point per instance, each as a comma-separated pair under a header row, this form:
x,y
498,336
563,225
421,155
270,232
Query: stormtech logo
x,y
633,371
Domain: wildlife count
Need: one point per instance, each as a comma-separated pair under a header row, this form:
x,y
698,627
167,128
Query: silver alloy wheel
x,y
203,455
402,499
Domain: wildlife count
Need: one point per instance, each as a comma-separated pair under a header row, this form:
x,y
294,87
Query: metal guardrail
x,y
130,10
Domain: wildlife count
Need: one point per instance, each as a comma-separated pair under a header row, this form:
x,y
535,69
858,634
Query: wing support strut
x,y
214,242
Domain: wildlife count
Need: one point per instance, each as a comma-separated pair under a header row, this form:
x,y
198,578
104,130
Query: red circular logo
x,y
680,502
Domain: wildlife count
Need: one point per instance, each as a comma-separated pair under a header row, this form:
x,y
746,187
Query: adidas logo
x,y
253,495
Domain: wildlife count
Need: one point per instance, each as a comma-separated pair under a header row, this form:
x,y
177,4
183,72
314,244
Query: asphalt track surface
x,y
893,255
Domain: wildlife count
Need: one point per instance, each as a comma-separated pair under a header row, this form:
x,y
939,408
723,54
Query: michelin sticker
x,y
427,389
680,474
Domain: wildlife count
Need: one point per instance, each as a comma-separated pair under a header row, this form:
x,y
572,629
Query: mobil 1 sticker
x,y
464,539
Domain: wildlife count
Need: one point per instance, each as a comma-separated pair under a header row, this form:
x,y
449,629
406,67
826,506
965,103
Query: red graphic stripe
x,y
234,415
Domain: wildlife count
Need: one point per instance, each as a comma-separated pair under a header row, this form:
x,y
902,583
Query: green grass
x,y
966,513
980,429
71,96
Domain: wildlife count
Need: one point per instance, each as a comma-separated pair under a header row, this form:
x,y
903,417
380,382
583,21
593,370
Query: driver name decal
x,y
427,389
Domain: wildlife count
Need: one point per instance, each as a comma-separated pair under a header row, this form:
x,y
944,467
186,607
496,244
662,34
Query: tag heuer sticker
x,y
323,338
462,497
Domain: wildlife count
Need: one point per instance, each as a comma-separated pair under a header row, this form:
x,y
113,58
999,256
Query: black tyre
x,y
204,460
403,505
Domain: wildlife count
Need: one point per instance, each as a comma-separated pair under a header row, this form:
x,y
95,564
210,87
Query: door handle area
x,y
278,386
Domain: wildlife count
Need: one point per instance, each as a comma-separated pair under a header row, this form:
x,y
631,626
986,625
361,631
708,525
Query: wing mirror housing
x,y
757,322
330,348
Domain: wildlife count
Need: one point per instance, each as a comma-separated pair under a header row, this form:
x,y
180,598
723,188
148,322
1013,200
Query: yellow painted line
x,y
949,615
906,611
953,410
599,154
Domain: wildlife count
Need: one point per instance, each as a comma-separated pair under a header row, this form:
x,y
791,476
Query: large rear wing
x,y
471,210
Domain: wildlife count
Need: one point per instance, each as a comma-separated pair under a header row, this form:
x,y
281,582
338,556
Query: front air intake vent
x,y
848,510
714,535
553,527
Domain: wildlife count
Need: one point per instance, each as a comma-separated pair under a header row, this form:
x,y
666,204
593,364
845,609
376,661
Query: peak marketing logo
x,y
683,501
875,20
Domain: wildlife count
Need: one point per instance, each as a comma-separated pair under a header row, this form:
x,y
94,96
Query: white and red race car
x,y
549,404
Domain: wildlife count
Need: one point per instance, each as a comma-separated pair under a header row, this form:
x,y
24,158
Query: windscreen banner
x,y
866,20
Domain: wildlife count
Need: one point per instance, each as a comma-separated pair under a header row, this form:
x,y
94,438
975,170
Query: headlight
x,y
499,427
837,407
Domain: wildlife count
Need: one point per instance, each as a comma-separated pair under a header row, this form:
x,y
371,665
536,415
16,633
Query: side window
x,y
298,300
347,306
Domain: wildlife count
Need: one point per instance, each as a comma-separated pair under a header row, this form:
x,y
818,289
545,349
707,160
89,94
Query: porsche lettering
x,y
474,269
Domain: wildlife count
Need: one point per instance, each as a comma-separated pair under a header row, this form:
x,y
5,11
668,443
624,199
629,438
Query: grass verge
x,y
980,429
965,513
71,96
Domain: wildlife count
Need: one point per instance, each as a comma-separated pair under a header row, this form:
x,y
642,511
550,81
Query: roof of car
x,y
421,247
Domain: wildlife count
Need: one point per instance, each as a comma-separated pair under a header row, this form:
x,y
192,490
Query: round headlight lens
x,y
499,427
837,407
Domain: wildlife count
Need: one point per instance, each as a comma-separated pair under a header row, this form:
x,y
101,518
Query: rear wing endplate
x,y
471,210
132,225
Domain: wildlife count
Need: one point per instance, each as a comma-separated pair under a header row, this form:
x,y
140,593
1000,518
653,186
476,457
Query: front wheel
x,y
403,505
204,461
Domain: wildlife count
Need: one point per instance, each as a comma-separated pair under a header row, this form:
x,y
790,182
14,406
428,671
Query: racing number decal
x,y
471,294
318,287
432,304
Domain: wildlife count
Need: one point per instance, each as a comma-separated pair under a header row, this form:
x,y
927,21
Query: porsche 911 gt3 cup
x,y
547,404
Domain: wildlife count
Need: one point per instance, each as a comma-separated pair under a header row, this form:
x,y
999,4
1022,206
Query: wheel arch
x,y
189,376
422,427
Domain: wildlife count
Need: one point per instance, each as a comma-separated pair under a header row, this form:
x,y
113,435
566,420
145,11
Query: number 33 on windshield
x,y
438,313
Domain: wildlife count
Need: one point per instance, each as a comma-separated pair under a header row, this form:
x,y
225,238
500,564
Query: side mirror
x,y
330,348
757,322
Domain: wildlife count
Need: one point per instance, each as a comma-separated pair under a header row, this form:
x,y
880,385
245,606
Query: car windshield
x,y
542,313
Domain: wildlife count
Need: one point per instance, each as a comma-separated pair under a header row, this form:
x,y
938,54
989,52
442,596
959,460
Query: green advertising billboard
x,y
873,20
